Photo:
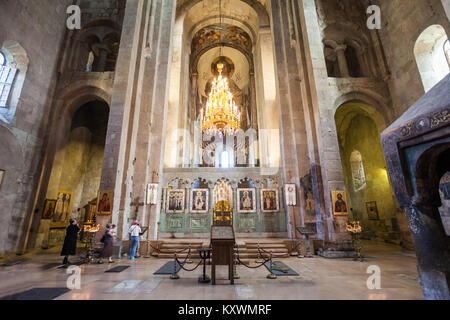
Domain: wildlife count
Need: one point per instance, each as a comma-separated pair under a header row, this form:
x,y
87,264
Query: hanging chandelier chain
x,y
221,114
221,26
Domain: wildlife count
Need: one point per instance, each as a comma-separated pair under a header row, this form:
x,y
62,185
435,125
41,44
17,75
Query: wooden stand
x,y
306,233
222,243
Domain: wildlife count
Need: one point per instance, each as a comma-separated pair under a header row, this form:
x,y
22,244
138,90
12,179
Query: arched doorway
x,y
369,191
76,172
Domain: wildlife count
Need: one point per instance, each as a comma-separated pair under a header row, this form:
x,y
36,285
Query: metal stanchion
x,y
204,255
271,275
236,276
259,259
155,252
300,255
293,253
188,259
175,275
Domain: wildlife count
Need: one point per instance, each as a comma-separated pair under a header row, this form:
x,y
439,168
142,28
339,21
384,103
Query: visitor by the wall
x,y
134,232
70,241
107,240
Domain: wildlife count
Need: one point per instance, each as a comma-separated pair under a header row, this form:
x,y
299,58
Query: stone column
x,y
121,110
134,144
103,55
197,144
254,119
342,60
293,135
193,119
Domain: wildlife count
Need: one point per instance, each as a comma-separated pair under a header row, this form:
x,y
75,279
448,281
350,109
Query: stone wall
x,y
102,9
39,27
402,23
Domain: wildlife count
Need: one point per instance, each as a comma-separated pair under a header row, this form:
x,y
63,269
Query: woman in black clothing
x,y
70,241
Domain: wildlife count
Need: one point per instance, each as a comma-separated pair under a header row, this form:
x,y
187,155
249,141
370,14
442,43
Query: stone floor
x,y
319,279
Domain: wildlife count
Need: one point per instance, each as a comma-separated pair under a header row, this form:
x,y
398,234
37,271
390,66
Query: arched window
x,y
447,51
432,61
7,75
13,70
357,168
354,67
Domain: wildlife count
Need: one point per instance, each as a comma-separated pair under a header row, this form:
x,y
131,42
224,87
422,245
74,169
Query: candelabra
x,y
355,230
90,232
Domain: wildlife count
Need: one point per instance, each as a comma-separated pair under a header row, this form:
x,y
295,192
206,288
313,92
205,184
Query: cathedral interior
x,y
309,130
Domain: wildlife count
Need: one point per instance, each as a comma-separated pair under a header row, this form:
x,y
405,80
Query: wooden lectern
x,y
222,243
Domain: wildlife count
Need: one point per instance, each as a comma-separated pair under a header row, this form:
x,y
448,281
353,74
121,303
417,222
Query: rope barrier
x,y
282,255
182,267
167,252
188,255
248,266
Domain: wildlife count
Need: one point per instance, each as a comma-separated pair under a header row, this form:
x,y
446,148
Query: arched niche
x,y
348,52
430,54
358,128
76,168
96,46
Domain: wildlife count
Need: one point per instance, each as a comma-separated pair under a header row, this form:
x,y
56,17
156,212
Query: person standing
x,y
70,241
134,232
107,240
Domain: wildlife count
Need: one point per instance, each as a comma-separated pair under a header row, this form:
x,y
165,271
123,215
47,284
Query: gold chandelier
x,y
221,114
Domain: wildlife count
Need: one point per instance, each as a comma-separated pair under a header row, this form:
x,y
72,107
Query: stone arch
x,y
97,36
354,45
261,11
430,167
381,113
358,128
68,102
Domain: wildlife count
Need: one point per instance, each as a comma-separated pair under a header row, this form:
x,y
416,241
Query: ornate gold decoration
x,y
440,118
221,113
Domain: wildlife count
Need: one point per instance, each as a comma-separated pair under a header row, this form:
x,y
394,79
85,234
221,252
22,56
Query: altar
x,y
189,196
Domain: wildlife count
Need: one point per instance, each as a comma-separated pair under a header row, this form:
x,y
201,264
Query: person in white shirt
x,y
134,232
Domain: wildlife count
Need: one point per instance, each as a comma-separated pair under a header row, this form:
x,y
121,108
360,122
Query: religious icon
x,y
339,199
61,213
104,202
199,201
291,197
175,200
49,209
223,192
372,210
246,200
270,201
152,193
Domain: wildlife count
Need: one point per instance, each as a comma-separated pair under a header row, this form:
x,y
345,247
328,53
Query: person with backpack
x,y
134,232
107,241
